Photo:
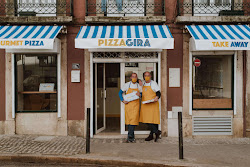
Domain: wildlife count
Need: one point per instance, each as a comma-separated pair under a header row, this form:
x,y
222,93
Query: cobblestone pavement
x,y
21,164
45,145
61,145
197,152
188,141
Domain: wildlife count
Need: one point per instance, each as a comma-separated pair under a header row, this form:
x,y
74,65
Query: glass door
x,y
107,86
138,68
100,98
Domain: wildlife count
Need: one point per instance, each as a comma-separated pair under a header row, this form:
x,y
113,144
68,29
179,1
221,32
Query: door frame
x,y
122,73
122,81
104,100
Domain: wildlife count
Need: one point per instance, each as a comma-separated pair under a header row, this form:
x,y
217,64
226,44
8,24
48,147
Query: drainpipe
x,y
244,90
232,5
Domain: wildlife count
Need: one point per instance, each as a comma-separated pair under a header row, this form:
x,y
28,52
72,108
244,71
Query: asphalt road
x,y
32,164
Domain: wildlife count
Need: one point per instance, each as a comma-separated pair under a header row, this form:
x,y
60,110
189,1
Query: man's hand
x,y
125,102
156,99
138,94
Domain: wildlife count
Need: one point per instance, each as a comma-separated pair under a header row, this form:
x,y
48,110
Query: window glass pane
x,y
212,82
36,77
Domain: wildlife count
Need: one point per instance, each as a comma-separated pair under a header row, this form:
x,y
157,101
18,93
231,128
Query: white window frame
x,y
55,50
208,53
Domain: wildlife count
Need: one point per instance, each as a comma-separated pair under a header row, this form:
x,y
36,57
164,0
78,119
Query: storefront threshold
x,y
115,136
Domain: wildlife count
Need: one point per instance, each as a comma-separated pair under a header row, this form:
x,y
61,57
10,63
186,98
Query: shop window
x,y
36,82
213,82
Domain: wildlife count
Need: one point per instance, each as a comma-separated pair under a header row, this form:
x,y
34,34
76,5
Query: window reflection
x,y
212,82
36,85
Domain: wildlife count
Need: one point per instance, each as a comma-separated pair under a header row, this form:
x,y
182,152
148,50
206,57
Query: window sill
x,y
212,19
36,19
37,111
126,19
211,109
37,92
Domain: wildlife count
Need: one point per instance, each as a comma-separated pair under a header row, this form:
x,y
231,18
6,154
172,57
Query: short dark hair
x,y
146,72
133,73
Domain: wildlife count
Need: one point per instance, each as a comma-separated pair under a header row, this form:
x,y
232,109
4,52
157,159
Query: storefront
x,y
112,53
216,80
33,80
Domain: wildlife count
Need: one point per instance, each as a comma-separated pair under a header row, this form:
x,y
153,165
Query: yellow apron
x,y
132,110
150,112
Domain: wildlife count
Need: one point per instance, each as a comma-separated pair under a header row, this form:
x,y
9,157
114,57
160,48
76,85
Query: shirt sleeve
x,y
125,87
155,87
120,95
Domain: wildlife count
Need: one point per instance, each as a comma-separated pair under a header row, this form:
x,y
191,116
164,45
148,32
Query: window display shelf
x,y
37,92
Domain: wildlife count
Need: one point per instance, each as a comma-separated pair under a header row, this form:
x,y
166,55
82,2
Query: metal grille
x,y
125,8
125,55
36,7
110,55
214,9
141,55
208,125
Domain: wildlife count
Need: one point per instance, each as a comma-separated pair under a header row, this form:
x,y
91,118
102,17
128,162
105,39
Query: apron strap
x,y
130,84
145,83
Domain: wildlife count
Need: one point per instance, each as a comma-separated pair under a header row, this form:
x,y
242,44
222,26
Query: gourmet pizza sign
x,y
27,44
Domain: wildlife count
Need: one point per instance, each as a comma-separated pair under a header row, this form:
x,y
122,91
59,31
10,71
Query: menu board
x,y
46,87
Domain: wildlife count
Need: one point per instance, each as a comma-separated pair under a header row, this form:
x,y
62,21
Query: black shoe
x,y
130,140
157,135
150,137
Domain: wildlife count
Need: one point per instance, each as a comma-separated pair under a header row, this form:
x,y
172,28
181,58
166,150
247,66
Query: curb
x,y
76,160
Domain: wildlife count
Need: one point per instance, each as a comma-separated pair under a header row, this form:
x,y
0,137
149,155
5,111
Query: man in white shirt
x,y
131,108
150,112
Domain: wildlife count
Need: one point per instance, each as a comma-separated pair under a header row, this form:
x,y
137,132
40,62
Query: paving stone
x,y
26,144
44,138
67,145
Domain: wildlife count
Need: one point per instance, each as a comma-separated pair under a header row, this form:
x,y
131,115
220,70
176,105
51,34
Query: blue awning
x,y
132,36
220,37
28,37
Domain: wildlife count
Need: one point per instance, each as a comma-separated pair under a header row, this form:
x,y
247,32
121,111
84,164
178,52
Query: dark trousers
x,y
131,131
153,128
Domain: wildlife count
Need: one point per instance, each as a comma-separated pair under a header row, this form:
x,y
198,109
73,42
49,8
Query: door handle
x,y
101,94
105,93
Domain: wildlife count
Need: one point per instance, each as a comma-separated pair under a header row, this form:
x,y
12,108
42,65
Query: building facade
x,y
60,57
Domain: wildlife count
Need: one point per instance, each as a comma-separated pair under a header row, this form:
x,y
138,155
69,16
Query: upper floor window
x,y
213,8
121,8
36,8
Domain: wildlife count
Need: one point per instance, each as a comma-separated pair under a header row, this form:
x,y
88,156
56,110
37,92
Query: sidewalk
x,y
197,152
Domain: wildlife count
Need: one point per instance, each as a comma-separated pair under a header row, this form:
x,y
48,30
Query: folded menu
x,y
130,97
148,101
